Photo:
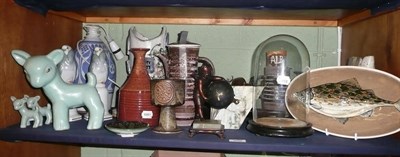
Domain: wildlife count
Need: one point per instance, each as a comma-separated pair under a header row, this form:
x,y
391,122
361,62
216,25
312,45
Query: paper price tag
x,y
283,80
238,140
147,114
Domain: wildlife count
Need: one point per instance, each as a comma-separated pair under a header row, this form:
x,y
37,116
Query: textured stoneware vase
x,y
181,62
135,96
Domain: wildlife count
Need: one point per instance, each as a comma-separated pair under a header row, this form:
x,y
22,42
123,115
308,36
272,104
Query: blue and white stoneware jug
x,y
86,49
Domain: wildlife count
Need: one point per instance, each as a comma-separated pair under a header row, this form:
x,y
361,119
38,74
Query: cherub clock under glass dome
x,y
275,62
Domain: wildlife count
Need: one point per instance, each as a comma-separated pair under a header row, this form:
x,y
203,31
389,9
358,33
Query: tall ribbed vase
x,y
135,96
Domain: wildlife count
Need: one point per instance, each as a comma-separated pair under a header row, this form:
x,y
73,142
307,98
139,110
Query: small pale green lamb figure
x,y
41,72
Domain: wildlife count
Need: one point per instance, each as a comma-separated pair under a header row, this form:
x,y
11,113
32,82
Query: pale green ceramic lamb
x,y
41,72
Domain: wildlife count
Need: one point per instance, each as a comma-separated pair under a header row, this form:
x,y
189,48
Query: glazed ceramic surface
x,y
383,122
126,129
99,67
67,69
181,62
156,45
26,114
41,72
84,54
135,95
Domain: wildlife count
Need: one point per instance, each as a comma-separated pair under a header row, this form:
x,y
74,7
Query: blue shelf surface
x,y
318,143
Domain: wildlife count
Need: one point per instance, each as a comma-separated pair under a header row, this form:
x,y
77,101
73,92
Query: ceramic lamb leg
x,y
41,72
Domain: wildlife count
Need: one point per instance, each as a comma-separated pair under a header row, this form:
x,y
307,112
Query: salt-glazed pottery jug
x,y
135,96
155,45
86,49
181,62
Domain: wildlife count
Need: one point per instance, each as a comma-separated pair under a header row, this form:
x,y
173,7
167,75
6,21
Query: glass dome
x,y
275,62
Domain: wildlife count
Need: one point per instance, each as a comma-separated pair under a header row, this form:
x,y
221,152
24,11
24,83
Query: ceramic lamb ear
x,y
20,56
56,56
13,98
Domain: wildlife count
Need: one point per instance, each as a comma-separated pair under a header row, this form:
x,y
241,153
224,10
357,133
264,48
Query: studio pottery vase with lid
x,y
135,95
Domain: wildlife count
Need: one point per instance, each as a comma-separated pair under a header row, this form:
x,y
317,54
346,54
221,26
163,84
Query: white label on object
x,y
238,140
147,114
283,80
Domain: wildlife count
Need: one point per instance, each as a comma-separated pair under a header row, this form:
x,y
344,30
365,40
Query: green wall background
x,y
230,48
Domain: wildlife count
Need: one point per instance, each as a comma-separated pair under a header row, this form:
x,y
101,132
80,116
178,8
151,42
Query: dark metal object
x,y
211,91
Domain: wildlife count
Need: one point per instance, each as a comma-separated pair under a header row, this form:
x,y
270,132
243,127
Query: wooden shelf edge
x,y
355,18
361,16
197,21
70,15
212,21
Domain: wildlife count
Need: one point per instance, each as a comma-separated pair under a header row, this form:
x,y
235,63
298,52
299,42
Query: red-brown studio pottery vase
x,y
135,96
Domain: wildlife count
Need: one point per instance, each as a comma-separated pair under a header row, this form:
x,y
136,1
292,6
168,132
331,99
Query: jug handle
x,y
164,59
207,62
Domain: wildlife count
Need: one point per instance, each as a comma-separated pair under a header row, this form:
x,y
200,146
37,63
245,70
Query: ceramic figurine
x,y
32,103
26,114
41,72
67,66
85,50
368,61
67,69
99,67
156,45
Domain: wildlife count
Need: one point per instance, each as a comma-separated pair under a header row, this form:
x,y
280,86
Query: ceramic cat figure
x,y
41,72
98,67
67,69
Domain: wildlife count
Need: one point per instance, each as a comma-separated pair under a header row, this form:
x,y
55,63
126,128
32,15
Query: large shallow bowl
x,y
385,120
